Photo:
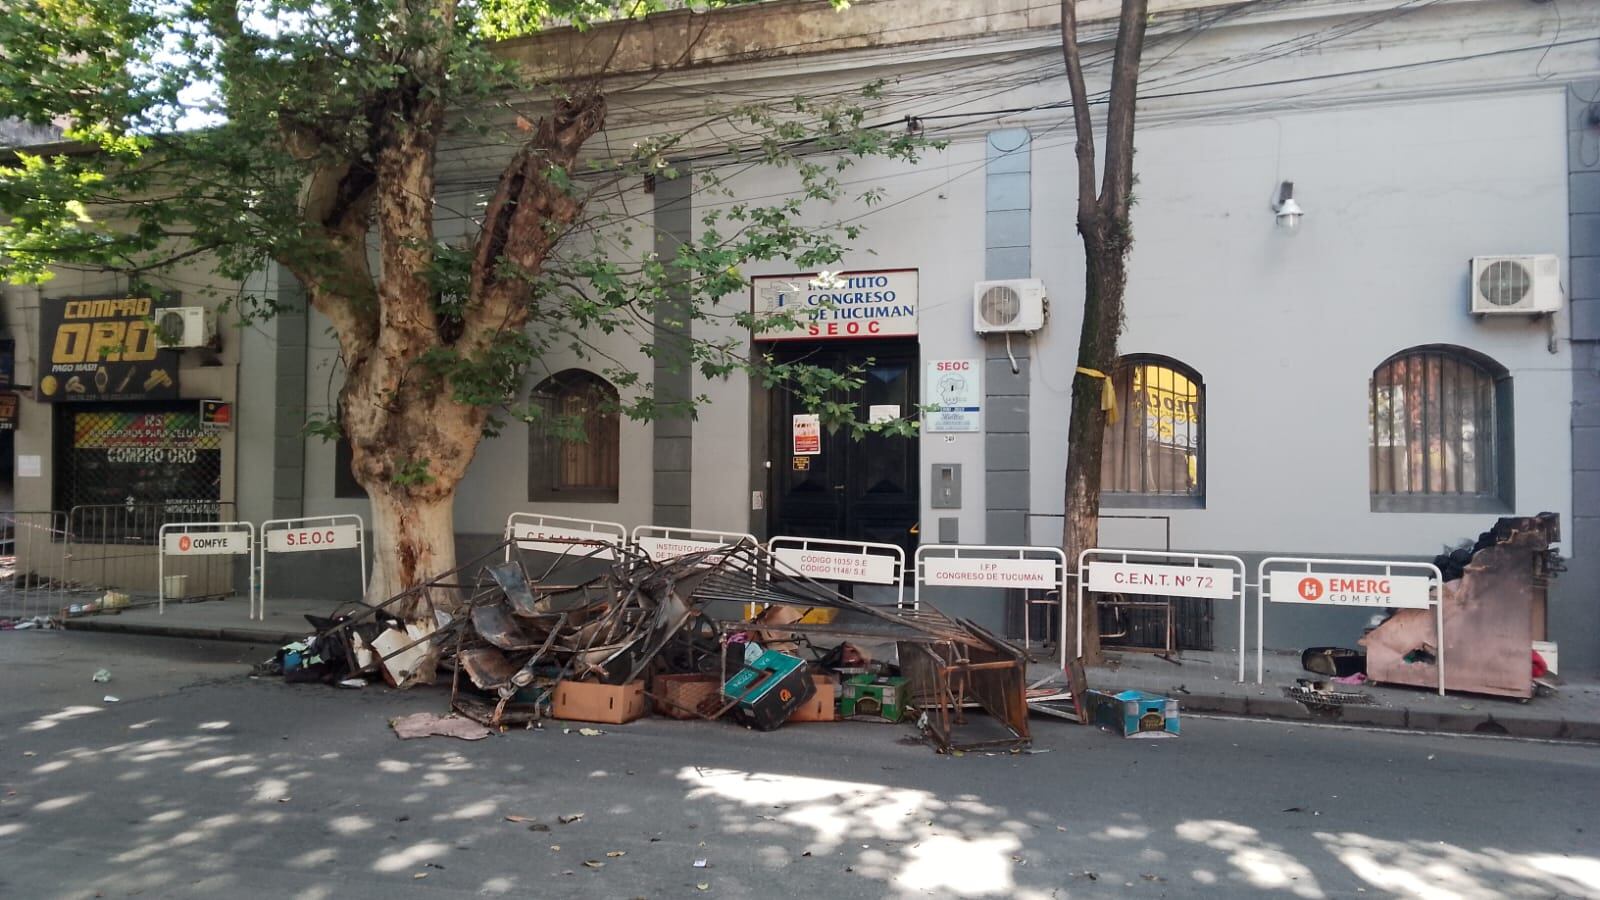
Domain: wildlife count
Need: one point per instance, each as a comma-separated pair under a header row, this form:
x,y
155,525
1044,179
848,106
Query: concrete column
x,y
1574,615
1008,247
674,436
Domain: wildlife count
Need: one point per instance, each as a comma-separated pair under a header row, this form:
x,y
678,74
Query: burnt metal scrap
x,y
612,615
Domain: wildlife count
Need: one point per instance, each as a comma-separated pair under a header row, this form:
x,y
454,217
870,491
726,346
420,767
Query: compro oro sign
x,y
1158,580
321,537
1323,589
950,571
220,543
824,305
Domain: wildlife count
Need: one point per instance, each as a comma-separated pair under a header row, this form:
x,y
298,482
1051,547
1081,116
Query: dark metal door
x,y
853,489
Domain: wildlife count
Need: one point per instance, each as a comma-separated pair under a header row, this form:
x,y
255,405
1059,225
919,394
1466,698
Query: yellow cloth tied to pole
x,y
1108,394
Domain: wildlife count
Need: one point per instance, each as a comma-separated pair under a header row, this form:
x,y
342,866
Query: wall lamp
x,y
1288,212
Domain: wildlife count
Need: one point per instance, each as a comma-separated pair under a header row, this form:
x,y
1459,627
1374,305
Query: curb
x,y
240,635
1540,727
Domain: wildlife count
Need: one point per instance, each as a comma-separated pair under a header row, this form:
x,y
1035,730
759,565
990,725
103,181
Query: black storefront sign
x,y
9,408
8,362
97,349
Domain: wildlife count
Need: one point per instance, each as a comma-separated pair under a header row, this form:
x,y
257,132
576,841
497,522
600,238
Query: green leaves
x,y
252,132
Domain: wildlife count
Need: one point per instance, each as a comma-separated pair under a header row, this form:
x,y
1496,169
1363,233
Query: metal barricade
x,y
851,562
117,547
1382,583
34,566
563,535
1167,573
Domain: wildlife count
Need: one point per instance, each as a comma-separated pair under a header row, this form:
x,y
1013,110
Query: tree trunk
x,y
415,540
1106,276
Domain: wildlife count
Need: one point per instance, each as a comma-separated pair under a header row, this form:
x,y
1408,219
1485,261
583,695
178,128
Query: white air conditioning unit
x,y
185,326
1003,307
1516,285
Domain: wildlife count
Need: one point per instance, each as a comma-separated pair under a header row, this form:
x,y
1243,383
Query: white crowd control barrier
x,y
664,542
1392,584
563,535
1162,573
855,562
309,535
190,539
993,566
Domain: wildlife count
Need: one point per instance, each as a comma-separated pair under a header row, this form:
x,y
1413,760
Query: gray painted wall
x,y
1576,611
674,331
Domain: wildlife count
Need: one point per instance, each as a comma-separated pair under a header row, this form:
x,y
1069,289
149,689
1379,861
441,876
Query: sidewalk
x,y
1205,682
215,620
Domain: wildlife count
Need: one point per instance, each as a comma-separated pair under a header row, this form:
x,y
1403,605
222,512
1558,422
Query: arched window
x,y
1154,455
1440,435
573,448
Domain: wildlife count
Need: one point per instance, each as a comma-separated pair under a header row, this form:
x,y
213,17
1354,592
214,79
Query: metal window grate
x,y
1433,421
1156,447
574,452
157,464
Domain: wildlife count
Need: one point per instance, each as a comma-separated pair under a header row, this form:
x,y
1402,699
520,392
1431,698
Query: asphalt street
x,y
201,781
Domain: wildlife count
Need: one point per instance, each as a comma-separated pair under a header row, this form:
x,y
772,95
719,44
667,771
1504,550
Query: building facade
x,y
1324,390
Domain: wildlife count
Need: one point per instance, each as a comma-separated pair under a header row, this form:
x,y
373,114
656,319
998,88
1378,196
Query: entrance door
x,y
864,490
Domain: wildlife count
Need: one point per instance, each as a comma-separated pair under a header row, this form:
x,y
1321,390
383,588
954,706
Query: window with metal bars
x,y
1440,432
1154,454
123,470
573,450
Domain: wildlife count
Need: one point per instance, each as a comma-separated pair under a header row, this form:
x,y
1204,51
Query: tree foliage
x,y
308,133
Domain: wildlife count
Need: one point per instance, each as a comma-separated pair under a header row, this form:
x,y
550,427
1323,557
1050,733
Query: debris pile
x,y
606,634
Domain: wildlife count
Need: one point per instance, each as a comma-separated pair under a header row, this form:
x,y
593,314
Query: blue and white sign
x,y
953,387
836,305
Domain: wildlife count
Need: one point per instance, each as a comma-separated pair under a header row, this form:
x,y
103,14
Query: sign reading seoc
x,y
321,537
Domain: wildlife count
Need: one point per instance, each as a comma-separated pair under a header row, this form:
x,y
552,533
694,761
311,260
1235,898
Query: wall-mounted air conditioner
x,y
1516,285
1007,307
185,326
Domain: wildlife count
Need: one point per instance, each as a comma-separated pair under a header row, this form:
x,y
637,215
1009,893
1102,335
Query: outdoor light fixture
x,y
1288,211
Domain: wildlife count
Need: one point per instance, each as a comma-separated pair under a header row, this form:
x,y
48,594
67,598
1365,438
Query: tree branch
x,y
1117,186
524,218
1081,122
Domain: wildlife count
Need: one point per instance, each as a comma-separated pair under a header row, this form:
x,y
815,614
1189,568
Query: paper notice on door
x,y
808,435
882,413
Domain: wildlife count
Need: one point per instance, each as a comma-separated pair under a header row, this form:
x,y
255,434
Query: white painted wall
x,y
1286,330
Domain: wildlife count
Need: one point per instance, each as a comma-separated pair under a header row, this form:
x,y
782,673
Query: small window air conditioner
x,y
185,326
1002,307
1515,285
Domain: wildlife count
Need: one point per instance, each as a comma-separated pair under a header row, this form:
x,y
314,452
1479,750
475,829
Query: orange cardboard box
x,y
612,704
820,708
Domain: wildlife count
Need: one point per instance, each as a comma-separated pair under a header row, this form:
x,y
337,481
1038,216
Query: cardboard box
x,y
820,708
1134,714
686,696
874,699
770,689
612,704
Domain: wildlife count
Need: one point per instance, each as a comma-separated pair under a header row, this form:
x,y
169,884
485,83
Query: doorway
x,y
837,486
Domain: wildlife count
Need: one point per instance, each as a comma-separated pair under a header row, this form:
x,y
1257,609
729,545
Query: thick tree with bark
x,y
1105,224
308,132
